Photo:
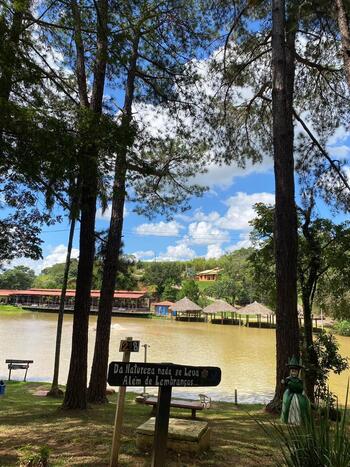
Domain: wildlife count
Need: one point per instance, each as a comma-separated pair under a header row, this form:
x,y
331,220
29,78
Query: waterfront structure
x,y
208,275
164,308
259,311
48,299
223,309
186,310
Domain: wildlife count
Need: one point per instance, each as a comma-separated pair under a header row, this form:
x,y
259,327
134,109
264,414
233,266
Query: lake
x,y
246,356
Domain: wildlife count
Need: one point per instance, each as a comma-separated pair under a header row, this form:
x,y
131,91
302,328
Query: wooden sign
x,y
162,375
129,346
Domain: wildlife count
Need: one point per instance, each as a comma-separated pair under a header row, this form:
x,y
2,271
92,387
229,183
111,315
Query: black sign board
x,y
162,375
129,346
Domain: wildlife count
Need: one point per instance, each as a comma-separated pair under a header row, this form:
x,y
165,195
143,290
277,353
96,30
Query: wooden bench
x,y
203,403
14,364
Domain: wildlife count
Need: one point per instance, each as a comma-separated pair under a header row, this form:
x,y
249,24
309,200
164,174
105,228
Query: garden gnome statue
x,y
295,405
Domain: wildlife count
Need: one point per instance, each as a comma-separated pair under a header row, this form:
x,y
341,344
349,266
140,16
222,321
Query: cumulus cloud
x,y
241,210
177,252
159,229
57,255
214,251
244,242
204,233
143,254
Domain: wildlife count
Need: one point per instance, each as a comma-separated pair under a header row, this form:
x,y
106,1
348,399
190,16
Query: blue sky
x,y
215,224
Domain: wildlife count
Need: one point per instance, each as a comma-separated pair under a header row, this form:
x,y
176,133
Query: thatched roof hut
x,y
219,306
185,305
255,308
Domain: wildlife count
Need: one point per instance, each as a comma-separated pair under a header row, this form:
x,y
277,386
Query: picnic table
x,y
204,402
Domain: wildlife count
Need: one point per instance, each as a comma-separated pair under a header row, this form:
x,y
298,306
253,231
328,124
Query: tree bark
x,y
55,390
76,391
285,229
97,386
343,23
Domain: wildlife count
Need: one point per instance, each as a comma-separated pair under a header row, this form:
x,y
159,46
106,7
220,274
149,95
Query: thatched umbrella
x,y
219,306
185,305
257,309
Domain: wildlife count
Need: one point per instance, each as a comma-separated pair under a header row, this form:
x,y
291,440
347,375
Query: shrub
x,y
30,456
342,328
318,443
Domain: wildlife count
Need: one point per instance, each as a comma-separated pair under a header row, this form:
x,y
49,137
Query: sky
x,y
217,223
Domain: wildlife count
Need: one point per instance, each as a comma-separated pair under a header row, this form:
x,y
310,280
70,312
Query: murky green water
x,y
246,355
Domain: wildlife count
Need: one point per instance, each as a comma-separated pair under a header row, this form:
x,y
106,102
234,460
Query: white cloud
x,y
204,233
243,243
177,252
241,210
160,229
106,215
223,176
143,254
58,255
214,251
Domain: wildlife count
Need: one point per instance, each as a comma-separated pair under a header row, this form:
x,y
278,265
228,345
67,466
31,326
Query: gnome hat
x,y
294,363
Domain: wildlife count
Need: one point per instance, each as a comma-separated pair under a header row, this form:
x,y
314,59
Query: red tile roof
x,y
71,293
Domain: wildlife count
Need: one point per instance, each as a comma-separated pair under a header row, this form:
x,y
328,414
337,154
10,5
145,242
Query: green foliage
x,y
20,277
52,277
30,456
342,327
190,290
159,274
169,292
329,359
225,288
319,442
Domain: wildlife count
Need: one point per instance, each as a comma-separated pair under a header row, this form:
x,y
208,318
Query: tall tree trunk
x,y
97,386
343,23
10,50
285,231
75,396
311,356
55,390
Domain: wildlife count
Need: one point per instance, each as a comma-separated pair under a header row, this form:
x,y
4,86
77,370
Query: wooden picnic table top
x,y
180,403
9,360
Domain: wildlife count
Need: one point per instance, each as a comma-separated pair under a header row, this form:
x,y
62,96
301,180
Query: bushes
x,y
342,327
318,443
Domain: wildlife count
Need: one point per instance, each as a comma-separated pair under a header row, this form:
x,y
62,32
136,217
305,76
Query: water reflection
x,y
245,355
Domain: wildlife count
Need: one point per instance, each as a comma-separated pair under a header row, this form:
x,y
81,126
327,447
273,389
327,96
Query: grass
x,y
7,309
83,438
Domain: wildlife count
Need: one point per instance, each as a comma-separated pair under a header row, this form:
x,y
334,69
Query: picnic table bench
x,y
15,364
203,403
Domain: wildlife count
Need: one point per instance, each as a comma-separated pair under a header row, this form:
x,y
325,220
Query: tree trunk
x,y
311,356
11,50
343,23
97,386
285,230
75,396
55,390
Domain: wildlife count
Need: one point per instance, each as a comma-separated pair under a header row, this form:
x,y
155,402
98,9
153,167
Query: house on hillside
x,y
208,274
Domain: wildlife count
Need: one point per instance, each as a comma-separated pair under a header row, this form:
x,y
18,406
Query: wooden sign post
x,y
127,346
165,376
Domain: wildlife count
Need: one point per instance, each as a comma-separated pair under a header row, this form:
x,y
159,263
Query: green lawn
x,y
10,309
83,438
